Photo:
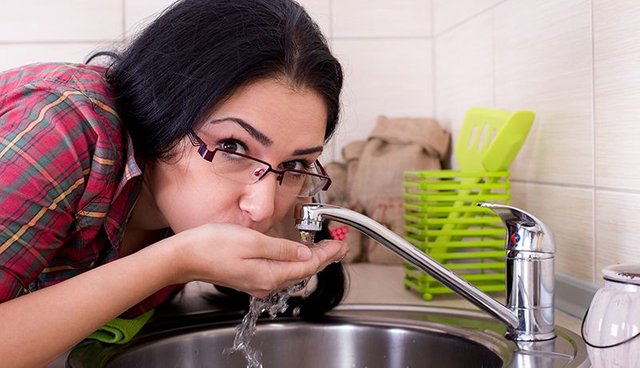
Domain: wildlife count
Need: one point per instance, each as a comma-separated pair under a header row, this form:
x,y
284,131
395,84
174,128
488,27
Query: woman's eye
x,y
297,165
232,145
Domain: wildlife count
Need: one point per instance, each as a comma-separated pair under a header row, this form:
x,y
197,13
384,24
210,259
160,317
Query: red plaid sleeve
x,y
68,178
43,166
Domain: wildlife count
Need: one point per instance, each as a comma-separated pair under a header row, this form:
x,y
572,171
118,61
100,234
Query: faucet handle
x,y
525,232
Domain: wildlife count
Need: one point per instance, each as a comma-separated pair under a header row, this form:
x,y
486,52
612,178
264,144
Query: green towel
x,y
121,330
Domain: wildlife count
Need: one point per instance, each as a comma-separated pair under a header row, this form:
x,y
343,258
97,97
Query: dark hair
x,y
197,53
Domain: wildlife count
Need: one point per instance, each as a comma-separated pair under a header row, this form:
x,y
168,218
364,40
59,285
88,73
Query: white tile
x,y
382,18
617,92
617,230
463,72
320,11
391,77
62,20
139,13
543,63
17,55
449,13
568,212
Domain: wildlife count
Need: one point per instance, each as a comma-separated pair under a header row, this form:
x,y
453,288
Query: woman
x,y
120,185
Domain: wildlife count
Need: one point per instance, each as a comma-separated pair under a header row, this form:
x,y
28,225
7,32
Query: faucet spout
x,y
310,217
529,310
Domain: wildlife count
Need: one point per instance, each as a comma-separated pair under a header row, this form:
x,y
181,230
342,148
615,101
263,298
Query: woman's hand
x,y
247,260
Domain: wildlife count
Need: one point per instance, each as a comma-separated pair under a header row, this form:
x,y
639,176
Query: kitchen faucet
x,y
529,310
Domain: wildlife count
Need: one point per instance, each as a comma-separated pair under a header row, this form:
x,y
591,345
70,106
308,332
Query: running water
x,y
274,303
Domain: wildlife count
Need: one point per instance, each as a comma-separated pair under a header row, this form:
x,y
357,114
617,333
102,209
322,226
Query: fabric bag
x,y
337,195
394,146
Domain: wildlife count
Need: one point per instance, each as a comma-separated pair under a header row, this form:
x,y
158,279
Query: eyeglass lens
x,y
248,171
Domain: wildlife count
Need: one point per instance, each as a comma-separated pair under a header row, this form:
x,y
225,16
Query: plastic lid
x,y
626,273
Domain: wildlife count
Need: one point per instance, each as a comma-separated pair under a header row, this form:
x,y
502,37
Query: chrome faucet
x,y
529,310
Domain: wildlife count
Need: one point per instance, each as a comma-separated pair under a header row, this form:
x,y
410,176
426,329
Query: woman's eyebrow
x,y
258,135
306,151
262,138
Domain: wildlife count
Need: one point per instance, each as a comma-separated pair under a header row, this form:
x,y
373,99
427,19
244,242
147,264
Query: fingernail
x,y
341,258
304,253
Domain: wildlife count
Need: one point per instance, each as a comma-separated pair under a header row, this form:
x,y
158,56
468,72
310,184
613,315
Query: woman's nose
x,y
258,199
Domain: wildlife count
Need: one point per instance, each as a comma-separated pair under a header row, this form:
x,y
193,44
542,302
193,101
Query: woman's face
x,y
267,120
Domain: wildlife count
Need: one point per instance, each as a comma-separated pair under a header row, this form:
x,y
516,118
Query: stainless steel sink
x,y
384,336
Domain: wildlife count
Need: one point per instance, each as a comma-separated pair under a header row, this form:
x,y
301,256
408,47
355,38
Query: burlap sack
x,y
388,212
351,154
337,194
394,146
353,238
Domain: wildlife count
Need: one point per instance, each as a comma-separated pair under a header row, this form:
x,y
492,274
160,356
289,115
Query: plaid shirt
x,y
68,178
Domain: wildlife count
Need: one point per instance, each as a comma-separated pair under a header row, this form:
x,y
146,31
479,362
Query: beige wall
x,y
386,49
576,63
382,44
67,30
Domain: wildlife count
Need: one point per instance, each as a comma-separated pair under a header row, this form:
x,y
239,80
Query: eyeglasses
x,y
245,169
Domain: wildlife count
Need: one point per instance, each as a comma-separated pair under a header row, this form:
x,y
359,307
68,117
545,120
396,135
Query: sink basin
x,y
384,336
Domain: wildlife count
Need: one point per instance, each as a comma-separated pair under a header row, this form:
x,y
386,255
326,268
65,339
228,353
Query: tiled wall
x,y
67,30
576,63
382,44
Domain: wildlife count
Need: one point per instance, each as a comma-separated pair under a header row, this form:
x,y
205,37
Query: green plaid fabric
x,y
68,177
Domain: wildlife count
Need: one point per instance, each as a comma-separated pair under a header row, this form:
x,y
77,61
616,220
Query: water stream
x,y
274,303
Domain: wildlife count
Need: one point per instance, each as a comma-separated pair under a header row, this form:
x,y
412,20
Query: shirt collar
x,y
124,198
131,168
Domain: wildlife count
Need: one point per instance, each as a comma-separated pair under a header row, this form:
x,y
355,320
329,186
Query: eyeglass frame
x,y
208,155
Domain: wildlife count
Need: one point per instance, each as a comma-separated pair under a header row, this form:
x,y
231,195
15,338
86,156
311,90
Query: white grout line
x,y
593,152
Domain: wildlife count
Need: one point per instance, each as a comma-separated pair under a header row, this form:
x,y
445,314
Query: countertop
x,y
376,283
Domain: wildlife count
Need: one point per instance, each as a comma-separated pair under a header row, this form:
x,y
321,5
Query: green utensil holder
x,y
441,218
